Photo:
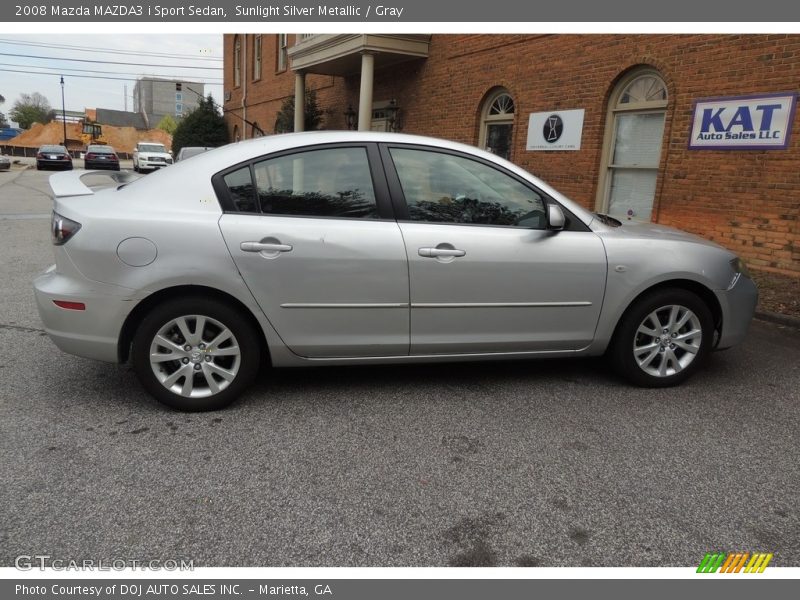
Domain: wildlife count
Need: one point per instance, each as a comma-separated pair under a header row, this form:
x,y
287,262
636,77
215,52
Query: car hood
x,y
155,154
650,231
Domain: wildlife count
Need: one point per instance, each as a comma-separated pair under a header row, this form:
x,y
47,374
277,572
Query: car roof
x,y
230,155
59,147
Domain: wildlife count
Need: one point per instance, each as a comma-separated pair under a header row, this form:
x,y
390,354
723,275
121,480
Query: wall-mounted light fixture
x,y
393,116
350,117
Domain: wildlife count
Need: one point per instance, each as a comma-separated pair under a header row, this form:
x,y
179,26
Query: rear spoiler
x,y
68,183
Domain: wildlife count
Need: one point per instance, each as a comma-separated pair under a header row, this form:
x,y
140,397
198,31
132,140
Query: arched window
x,y
497,123
236,136
237,61
632,146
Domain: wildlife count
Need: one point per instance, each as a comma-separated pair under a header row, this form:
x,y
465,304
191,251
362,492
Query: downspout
x,y
244,87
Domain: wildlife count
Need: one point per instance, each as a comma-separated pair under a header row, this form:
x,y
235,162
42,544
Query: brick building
x,y
636,95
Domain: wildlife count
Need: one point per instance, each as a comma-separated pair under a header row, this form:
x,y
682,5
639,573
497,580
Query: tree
x,y
204,126
30,109
312,115
3,122
168,124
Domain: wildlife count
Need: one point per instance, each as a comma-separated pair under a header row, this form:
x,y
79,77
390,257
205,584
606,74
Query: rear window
x,y
100,149
61,149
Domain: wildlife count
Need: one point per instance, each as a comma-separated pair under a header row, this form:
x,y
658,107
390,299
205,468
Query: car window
x,y
443,188
334,182
240,186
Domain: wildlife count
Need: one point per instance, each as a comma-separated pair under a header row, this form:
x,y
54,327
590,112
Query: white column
x,y
299,100
365,97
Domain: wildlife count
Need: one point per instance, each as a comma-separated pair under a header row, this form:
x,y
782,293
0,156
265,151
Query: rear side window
x,y
443,188
334,182
240,188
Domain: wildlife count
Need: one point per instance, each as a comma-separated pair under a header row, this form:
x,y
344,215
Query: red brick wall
x,y
746,200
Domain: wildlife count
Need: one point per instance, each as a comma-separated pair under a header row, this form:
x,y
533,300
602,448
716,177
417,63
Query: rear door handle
x,y
264,247
436,252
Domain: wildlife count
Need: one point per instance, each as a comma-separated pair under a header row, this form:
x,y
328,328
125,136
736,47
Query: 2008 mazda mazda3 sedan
x,y
331,248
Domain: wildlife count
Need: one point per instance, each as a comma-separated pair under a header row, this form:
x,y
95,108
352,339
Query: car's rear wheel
x,y
663,338
196,354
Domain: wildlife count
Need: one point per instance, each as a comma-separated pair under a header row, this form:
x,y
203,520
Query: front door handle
x,y
264,247
441,250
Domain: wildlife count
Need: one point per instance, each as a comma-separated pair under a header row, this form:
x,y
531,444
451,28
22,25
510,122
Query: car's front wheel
x,y
196,354
663,338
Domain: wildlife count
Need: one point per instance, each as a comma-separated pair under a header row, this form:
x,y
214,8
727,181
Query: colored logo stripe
x,y
734,562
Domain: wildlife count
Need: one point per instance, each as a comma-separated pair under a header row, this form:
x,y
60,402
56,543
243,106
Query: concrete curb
x,y
778,318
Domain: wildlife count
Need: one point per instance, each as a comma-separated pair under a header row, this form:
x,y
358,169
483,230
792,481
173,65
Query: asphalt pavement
x,y
548,463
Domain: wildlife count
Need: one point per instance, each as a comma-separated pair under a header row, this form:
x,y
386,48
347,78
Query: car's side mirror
x,y
555,217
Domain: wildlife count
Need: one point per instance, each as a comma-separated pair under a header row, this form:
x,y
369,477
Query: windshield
x,y
152,148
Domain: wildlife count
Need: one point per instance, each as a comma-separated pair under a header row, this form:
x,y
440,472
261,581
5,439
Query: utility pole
x,y
63,112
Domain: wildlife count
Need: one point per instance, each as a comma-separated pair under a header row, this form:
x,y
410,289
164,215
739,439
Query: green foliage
x,y
3,122
312,117
168,124
204,126
30,109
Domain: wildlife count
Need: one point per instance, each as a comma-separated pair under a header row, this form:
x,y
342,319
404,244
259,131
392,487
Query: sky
x,y
43,74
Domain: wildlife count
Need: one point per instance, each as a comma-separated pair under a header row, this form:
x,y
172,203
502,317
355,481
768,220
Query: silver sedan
x,y
332,248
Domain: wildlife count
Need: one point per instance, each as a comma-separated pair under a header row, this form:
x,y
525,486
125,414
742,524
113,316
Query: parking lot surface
x,y
550,463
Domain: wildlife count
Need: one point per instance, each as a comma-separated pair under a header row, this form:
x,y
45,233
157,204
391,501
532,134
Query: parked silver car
x,y
331,248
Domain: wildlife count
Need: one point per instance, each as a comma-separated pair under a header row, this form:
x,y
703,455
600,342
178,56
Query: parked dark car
x,y
101,157
53,157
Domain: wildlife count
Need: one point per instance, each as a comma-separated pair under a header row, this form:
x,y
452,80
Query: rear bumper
x,y
105,164
91,333
738,307
53,164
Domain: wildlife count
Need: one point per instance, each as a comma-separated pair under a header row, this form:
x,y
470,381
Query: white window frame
x,y
615,108
237,61
257,57
499,119
283,52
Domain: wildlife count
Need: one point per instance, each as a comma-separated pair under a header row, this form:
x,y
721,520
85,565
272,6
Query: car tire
x,y
211,374
663,338
135,167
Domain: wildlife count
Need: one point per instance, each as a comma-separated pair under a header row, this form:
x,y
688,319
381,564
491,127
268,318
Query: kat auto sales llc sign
x,y
762,122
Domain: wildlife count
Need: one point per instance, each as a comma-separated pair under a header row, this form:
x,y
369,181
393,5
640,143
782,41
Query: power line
x,y
86,76
108,50
111,62
217,79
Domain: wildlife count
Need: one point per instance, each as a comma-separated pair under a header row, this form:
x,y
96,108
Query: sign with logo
x,y
762,122
555,130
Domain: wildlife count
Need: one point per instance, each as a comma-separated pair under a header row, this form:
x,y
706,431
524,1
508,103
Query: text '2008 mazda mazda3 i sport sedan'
x,y
331,248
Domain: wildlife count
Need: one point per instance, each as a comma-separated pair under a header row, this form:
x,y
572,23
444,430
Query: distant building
x,y
155,98
6,133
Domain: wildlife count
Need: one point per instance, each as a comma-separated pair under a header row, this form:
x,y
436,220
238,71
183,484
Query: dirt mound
x,y
123,139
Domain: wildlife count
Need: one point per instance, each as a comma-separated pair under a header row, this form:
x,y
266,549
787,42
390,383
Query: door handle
x,y
436,252
264,247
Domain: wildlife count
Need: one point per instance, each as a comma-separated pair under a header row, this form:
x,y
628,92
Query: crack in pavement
x,y
21,328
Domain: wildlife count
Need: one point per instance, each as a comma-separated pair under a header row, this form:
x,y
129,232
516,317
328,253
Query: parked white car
x,y
149,156
341,248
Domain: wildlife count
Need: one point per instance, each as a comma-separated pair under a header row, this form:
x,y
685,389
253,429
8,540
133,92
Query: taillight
x,y
90,156
39,155
69,305
62,229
